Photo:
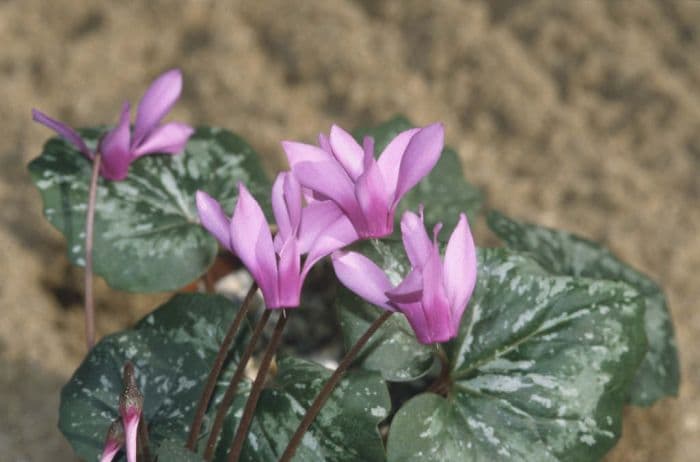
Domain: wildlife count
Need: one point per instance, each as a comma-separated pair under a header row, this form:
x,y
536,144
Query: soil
x,y
579,115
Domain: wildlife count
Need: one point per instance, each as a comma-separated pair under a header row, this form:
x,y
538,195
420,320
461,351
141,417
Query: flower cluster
x,y
338,193
119,147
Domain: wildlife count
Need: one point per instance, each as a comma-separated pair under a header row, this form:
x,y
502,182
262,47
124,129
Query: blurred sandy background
x,y
583,115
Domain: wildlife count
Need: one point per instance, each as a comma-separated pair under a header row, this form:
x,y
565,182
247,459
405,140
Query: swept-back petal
x,y
347,151
213,218
361,275
252,242
131,424
169,138
416,318
390,160
373,201
435,303
292,197
422,153
156,102
289,278
301,152
114,147
330,180
316,218
335,236
415,238
63,130
279,209
459,267
410,290
325,143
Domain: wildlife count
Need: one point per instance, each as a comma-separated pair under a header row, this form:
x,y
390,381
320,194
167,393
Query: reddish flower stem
x,y
89,233
143,440
216,369
233,386
255,391
330,385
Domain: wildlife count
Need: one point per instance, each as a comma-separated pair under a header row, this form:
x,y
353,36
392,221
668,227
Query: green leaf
x,y
173,451
540,370
173,349
393,350
345,430
563,253
444,192
147,233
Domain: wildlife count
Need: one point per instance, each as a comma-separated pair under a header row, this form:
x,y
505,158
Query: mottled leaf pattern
x,y
444,192
173,349
540,370
147,233
393,350
563,253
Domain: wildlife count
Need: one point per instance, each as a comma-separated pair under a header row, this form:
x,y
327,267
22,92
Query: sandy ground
x,y
581,115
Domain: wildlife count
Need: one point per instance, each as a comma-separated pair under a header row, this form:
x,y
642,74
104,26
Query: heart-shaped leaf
x,y
147,232
445,192
539,371
563,253
345,429
393,350
173,349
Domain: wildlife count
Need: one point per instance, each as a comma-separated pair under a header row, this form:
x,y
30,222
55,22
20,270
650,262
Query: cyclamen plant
x,y
528,352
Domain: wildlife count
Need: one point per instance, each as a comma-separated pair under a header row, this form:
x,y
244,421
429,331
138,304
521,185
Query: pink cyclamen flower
x,y
130,409
275,264
366,189
119,147
434,294
113,442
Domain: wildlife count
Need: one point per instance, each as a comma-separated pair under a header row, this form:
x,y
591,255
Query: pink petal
x,y
368,147
156,102
325,143
330,180
436,306
390,160
279,209
415,238
110,450
131,424
459,268
422,153
301,152
252,242
359,274
63,130
335,236
416,318
292,197
290,281
371,196
347,151
409,291
316,218
213,218
114,148
170,138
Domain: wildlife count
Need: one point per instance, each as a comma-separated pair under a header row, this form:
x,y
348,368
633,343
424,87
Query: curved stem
x,y
327,389
233,386
89,233
442,382
216,369
255,391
